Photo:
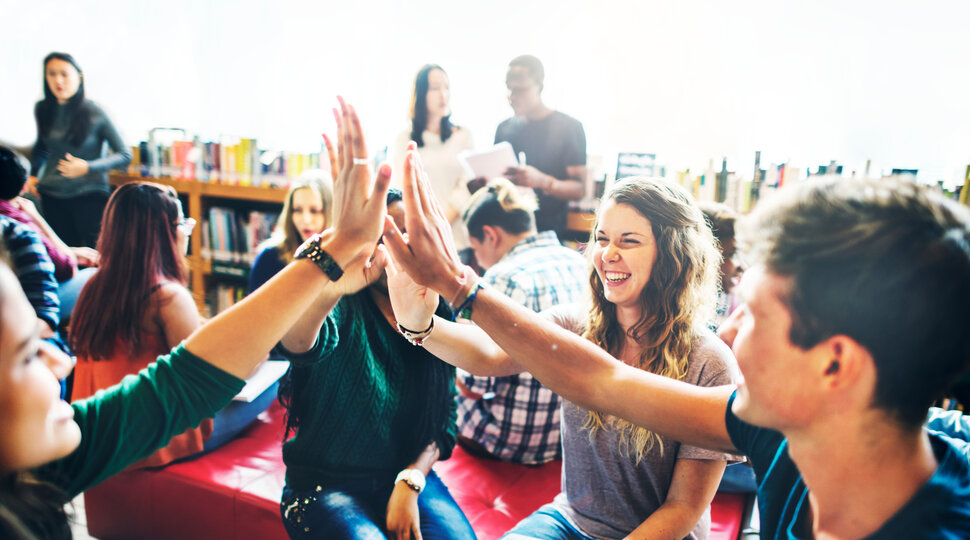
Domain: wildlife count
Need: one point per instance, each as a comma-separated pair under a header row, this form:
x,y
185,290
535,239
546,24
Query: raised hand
x,y
413,304
428,253
359,207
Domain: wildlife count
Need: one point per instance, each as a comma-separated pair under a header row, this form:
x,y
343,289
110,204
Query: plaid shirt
x,y
517,419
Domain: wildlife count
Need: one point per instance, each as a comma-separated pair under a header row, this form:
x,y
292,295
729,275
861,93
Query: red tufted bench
x,y
234,492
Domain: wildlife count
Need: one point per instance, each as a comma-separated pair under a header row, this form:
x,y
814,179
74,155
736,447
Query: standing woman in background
x,y
439,143
71,132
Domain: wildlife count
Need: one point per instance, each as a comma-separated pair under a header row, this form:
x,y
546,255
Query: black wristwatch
x,y
311,250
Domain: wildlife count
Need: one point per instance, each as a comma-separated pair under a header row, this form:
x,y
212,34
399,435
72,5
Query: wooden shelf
x,y
198,194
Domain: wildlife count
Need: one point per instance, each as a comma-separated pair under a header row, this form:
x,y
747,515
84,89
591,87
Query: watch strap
x,y
311,250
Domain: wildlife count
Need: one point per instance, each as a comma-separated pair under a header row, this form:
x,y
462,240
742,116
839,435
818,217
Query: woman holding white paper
x,y
439,143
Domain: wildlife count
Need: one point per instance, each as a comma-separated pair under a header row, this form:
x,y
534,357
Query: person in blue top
x,y
854,320
307,210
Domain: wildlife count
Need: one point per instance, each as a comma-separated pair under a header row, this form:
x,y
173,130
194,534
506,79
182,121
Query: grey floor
x,y
80,527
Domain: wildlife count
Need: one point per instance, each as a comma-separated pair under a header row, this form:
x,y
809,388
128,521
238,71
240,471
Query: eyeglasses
x,y
186,225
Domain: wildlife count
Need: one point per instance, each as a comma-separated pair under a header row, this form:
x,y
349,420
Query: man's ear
x,y
844,362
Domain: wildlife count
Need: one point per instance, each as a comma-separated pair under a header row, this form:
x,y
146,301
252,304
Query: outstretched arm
x,y
238,339
569,365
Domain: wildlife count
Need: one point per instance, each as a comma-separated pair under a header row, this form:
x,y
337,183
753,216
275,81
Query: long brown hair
x,y
676,301
139,248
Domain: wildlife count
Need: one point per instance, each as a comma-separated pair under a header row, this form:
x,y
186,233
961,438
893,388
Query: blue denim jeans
x,y
356,509
546,523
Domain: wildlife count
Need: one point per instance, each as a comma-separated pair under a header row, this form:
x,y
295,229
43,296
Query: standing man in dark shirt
x,y
554,145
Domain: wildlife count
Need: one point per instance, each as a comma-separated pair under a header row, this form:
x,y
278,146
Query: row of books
x,y
231,237
234,161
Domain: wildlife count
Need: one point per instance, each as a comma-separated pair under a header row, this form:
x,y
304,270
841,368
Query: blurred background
x,y
689,80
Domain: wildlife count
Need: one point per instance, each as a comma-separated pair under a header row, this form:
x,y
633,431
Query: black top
x,y
940,509
550,144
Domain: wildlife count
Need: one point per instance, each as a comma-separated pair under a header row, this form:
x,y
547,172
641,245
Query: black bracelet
x,y
428,329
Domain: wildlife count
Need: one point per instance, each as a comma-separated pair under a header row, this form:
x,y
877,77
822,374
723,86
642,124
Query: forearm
x,y
673,520
583,373
426,459
301,337
468,347
121,156
241,337
569,189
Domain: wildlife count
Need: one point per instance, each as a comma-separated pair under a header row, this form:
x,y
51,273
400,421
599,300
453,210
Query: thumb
x,y
416,529
379,261
394,241
68,156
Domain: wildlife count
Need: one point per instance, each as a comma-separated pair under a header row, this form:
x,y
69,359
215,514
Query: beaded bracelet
x,y
464,310
416,338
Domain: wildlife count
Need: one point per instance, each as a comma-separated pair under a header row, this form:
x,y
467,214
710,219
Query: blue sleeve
x,y
34,269
266,265
951,424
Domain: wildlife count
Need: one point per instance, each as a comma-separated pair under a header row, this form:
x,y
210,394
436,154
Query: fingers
x,y
416,531
412,199
360,145
332,155
395,243
344,143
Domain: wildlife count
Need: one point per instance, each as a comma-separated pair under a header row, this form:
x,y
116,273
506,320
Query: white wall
x,y
691,80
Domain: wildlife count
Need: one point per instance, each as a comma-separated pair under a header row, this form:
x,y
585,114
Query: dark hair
x,y
885,263
419,107
78,108
721,218
13,173
29,508
533,66
499,204
138,246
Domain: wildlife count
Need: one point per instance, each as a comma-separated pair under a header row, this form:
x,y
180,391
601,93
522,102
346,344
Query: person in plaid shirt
x,y
516,418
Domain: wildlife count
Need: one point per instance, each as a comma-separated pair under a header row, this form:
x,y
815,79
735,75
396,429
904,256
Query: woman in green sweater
x,y
51,450
372,413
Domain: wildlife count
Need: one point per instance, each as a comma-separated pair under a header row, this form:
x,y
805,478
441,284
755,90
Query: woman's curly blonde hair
x,y
677,300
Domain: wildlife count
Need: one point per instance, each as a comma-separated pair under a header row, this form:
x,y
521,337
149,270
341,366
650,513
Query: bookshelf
x,y
202,196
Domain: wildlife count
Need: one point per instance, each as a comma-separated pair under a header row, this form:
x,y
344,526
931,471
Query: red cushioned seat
x,y
231,493
234,493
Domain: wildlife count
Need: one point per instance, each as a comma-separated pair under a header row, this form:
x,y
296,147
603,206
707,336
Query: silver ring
x,y
360,161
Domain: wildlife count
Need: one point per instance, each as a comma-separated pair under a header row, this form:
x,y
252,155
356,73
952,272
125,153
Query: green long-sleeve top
x,y
139,415
361,391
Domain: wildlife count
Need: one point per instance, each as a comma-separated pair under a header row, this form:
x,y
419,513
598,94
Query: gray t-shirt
x,y
605,492
51,148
